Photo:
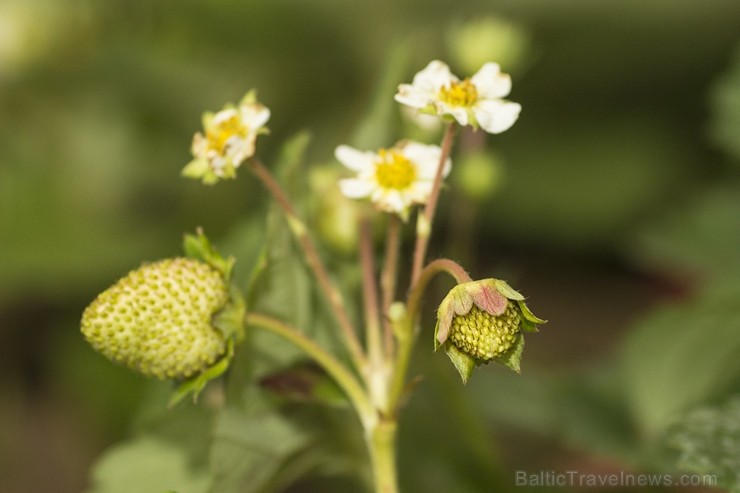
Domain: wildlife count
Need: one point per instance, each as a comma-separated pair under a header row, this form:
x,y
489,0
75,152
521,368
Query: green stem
x,y
341,375
381,442
408,329
300,231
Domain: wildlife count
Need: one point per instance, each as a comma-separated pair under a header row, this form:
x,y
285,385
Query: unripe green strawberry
x,y
157,319
481,321
485,336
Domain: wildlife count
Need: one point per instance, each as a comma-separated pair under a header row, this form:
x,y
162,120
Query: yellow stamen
x,y
220,132
393,170
461,93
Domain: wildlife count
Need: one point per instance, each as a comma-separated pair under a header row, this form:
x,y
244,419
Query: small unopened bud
x,y
158,319
482,321
485,39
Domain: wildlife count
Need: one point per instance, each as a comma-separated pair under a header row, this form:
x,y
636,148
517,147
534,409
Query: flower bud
x,y
482,321
475,42
158,319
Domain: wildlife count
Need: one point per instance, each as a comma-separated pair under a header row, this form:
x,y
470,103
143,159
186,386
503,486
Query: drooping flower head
x,y
228,139
476,101
394,179
482,321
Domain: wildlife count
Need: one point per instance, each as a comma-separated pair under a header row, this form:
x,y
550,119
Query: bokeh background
x,y
613,204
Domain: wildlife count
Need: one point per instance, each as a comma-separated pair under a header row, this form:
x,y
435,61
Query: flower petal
x,y
434,76
354,159
496,116
426,159
355,189
490,82
462,302
459,113
254,115
413,96
486,297
445,313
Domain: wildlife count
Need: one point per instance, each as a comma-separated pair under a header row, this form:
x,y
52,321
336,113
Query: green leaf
x,y
708,440
148,465
682,355
251,445
700,237
169,451
725,100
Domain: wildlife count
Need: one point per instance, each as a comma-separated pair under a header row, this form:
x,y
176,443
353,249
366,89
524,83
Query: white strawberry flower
x,y
393,179
476,101
228,140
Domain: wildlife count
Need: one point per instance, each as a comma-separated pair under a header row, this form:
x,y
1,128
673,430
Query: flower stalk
x,y
300,231
424,221
341,375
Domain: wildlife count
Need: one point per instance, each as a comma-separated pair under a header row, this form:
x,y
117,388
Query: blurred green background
x,y
616,207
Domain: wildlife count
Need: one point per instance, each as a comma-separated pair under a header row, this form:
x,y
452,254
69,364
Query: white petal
x,y
224,115
414,96
421,191
490,82
495,116
254,115
434,76
425,157
458,113
393,201
354,159
355,189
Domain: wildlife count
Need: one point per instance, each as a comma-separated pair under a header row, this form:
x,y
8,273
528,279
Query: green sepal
x,y
197,168
529,320
437,345
472,120
229,320
196,384
504,288
513,357
463,362
249,98
198,246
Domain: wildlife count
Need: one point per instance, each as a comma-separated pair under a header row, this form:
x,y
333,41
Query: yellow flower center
x,y
461,93
220,132
393,170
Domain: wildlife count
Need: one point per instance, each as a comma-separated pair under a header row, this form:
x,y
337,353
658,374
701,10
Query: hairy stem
x,y
424,220
389,278
300,231
409,328
370,292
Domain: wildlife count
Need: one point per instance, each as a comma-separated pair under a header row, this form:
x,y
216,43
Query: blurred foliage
x,y
708,439
626,151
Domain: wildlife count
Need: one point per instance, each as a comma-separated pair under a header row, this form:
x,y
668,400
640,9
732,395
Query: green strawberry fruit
x,y
157,319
